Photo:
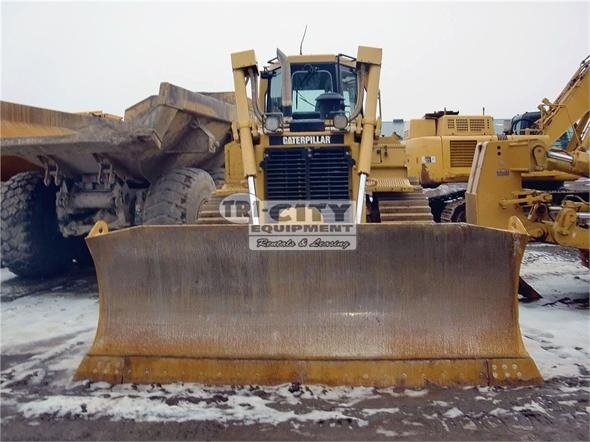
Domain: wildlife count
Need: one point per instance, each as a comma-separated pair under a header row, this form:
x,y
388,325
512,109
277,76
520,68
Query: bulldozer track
x,y
209,212
454,212
405,207
393,208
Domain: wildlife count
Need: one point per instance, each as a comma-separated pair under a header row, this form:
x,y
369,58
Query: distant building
x,y
394,126
398,126
386,128
502,124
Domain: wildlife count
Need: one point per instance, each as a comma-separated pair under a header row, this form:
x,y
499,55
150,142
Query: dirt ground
x,y
40,402
556,411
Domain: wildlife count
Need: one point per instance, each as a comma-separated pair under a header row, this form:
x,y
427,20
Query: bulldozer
x,y
407,304
62,172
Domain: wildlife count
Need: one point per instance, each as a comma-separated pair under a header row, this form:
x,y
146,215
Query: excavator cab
x,y
409,304
526,124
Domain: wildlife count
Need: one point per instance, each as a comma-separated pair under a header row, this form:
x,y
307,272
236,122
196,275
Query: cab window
x,y
310,81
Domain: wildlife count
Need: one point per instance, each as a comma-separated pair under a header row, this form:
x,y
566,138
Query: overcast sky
x,y
462,56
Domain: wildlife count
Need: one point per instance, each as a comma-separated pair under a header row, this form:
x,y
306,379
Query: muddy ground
x,y
556,411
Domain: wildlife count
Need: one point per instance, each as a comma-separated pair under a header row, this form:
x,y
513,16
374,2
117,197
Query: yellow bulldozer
x,y
404,303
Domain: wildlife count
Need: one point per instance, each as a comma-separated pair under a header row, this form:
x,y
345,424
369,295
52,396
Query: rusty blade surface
x,y
408,293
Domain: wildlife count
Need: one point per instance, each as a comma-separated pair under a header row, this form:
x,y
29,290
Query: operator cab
x,y
526,124
323,95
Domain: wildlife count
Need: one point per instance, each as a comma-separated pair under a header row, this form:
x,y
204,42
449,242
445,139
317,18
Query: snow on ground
x,y
191,402
556,339
50,333
555,332
555,276
5,275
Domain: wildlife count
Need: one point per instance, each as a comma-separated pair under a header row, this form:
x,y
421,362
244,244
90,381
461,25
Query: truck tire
x,y
2,192
176,197
32,245
218,176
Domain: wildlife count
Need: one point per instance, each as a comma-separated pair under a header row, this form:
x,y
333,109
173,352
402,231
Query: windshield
x,y
563,141
309,81
308,85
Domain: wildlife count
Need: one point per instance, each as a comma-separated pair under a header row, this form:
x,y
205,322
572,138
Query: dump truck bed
x,y
175,128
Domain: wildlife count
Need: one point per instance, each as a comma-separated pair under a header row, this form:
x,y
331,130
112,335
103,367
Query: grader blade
x,y
413,304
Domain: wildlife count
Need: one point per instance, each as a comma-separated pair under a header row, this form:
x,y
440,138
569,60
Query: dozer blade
x,y
412,304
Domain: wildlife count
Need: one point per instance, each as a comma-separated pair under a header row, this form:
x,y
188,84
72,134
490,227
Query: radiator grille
x,y
462,124
307,173
462,152
477,124
468,124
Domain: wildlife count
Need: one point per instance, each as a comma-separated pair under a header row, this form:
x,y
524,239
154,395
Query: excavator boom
x,y
571,105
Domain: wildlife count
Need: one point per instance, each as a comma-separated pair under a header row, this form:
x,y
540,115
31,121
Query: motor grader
x,y
409,305
65,171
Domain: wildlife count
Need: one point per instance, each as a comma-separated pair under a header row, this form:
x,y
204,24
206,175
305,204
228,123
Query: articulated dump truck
x,y
413,303
66,171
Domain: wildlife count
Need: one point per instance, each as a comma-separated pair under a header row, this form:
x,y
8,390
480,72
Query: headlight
x,y
340,121
272,122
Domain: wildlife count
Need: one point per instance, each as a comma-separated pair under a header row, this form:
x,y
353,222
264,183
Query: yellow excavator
x,y
496,192
405,303
440,148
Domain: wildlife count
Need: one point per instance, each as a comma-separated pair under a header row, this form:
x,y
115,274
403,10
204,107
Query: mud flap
x,y
412,304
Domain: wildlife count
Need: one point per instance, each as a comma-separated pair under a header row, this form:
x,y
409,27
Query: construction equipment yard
x,y
48,326
252,256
